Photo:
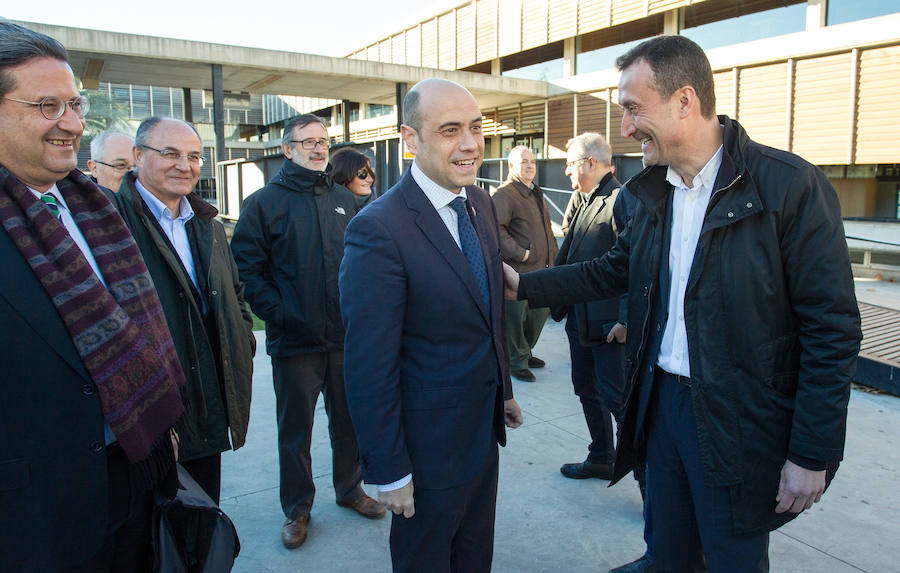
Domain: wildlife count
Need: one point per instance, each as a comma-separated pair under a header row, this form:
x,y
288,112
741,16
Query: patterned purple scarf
x,y
120,333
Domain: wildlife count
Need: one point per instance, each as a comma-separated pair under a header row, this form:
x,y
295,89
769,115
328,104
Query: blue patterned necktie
x,y
471,247
49,199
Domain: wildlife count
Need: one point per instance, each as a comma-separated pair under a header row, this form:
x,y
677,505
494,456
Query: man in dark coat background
x,y
527,244
288,244
427,370
744,327
187,253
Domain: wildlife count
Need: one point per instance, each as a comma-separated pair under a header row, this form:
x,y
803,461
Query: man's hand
x,y
617,333
512,413
510,282
799,489
400,501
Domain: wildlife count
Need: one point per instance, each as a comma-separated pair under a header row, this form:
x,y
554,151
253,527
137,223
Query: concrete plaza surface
x,y
548,523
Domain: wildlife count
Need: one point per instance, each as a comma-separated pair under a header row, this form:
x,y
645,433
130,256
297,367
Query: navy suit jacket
x,y
53,479
426,364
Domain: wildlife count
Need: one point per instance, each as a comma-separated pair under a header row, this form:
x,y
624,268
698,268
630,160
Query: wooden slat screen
x,y
465,36
644,28
562,19
372,53
626,11
592,113
534,23
878,122
398,49
508,118
447,41
531,118
510,35
762,103
414,46
659,6
486,20
429,44
618,143
724,86
821,130
384,51
560,119
593,15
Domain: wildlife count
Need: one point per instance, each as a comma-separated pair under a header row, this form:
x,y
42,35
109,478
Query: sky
x,y
333,28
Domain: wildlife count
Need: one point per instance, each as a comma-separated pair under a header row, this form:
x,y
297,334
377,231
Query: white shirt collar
x,y
53,191
439,196
159,209
703,180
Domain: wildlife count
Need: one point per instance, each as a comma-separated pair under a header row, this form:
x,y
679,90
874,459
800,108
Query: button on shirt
x,y
174,228
688,211
441,199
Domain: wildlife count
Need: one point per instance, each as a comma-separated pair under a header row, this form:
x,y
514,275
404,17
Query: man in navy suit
x,y
426,364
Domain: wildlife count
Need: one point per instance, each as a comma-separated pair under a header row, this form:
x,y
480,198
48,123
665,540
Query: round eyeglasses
x,y
53,107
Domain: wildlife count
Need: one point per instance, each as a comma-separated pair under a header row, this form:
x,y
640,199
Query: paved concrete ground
x,y
546,522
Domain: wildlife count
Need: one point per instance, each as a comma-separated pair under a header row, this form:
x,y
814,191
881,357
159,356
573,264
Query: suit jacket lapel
x,y
585,219
480,220
434,229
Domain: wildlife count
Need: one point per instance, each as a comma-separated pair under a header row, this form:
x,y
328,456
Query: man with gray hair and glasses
x,y
112,156
288,244
89,388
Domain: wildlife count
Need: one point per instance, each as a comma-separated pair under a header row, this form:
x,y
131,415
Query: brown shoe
x,y
293,532
365,506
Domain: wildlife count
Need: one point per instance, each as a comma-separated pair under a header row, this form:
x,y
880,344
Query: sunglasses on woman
x,y
363,173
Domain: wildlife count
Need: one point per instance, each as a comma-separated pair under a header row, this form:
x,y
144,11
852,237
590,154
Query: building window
x,y
598,50
542,63
841,11
735,25
378,110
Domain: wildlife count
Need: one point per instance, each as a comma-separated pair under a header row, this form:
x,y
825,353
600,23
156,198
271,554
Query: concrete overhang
x,y
114,57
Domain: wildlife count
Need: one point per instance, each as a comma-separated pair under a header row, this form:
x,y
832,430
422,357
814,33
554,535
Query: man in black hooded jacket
x,y
288,245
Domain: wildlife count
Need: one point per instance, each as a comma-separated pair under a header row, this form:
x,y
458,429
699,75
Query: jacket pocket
x,y
14,474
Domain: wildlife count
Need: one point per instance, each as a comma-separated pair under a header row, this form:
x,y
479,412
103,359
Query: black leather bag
x,y
190,533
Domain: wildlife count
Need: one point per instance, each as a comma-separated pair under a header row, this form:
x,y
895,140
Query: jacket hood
x,y
296,178
651,187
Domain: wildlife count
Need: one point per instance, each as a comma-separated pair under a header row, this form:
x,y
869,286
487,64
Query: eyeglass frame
x,y
116,167
200,159
364,173
317,142
82,99
569,164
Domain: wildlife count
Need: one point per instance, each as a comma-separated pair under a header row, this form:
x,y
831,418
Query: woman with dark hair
x,y
351,169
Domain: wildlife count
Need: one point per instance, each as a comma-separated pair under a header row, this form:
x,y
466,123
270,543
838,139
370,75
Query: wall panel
x,y
465,36
593,15
762,103
562,19
414,46
627,10
724,86
447,41
384,51
560,121
619,144
534,23
398,49
878,118
486,19
821,131
429,44
592,113
510,34
657,6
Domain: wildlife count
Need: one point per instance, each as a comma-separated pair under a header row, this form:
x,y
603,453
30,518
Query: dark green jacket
x,y
217,368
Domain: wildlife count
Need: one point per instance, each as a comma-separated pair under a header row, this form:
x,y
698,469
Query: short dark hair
x,y
412,113
346,163
18,45
145,129
676,62
300,122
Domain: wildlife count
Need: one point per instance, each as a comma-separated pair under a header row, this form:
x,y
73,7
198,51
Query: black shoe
x,y
642,565
525,375
535,362
586,470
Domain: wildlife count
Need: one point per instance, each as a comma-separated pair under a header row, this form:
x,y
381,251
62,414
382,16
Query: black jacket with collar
x,y
593,229
770,311
288,244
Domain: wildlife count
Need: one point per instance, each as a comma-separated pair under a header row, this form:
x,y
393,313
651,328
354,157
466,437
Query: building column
x,y
496,67
569,54
218,111
816,12
345,119
186,105
673,22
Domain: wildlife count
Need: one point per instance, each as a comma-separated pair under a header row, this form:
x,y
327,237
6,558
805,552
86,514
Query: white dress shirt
x,y
441,199
688,211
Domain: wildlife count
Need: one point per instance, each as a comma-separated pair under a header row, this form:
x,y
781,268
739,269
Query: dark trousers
x,y
207,472
452,530
598,375
298,382
523,328
126,546
691,521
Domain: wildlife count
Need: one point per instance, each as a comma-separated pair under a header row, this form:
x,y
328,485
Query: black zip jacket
x,y
772,321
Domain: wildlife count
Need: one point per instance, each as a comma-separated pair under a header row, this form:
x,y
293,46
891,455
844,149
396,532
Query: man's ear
x,y
687,101
410,138
92,167
286,149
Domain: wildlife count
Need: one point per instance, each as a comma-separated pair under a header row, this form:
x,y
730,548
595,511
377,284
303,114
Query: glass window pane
x,y
549,70
603,58
841,11
765,24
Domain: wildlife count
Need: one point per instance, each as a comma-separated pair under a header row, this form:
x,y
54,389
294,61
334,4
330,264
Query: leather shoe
x,y
525,375
584,470
535,362
293,532
365,506
642,565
